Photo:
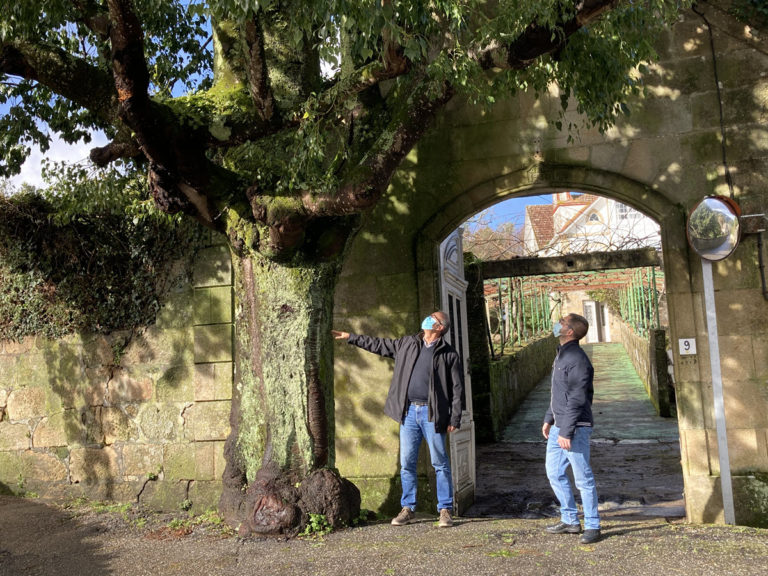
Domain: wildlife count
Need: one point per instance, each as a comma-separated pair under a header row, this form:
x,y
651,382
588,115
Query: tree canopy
x,y
274,121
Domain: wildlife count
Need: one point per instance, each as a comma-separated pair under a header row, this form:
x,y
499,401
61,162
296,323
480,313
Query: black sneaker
x,y
563,528
590,536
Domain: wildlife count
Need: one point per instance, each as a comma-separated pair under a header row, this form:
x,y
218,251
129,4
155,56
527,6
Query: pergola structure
x,y
521,288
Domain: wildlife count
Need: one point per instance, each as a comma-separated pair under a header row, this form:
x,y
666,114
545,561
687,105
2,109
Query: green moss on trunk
x,y
284,365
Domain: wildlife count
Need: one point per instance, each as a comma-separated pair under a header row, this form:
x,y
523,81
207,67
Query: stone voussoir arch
x,y
541,177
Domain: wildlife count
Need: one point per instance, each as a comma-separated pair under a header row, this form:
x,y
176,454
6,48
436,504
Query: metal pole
x,y
540,308
717,391
510,311
519,296
640,304
650,299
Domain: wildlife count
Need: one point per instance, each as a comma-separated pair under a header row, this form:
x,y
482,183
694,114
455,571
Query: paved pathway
x,y
622,410
635,453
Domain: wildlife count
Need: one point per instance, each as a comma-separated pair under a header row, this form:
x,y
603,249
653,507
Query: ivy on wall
x,y
103,270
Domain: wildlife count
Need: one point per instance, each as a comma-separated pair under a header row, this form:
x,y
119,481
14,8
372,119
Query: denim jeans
x,y
415,427
577,458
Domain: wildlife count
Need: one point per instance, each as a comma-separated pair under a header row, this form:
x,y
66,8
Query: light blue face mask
x,y
556,327
429,323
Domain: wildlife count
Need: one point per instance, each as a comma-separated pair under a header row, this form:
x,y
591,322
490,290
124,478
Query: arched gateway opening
x,y
511,302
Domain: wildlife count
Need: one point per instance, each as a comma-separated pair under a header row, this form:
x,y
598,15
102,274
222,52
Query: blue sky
x,y
513,210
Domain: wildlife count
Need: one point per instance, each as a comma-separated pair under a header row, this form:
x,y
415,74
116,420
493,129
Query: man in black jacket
x,y
568,428
425,397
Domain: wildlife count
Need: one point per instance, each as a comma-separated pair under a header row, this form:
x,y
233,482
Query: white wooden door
x,y
453,290
591,314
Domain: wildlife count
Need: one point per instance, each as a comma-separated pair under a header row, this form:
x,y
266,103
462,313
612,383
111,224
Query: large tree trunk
x,y
280,453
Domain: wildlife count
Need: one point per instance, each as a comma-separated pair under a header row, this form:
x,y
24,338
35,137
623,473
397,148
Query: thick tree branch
x,y
256,69
180,173
113,151
392,55
365,185
537,41
92,15
70,77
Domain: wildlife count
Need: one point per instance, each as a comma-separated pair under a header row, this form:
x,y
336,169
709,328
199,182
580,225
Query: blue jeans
x,y
558,461
415,427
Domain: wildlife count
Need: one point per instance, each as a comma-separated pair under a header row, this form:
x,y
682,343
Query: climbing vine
x,y
106,269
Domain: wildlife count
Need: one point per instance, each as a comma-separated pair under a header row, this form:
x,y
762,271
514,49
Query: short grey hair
x,y
443,316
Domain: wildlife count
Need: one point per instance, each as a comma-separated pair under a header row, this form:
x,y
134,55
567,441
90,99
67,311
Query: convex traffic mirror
x,y
713,228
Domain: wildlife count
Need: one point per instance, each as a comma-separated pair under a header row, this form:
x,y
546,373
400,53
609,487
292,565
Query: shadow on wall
x,y
105,391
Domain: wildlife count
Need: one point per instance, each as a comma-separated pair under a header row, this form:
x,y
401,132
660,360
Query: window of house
x,y
627,212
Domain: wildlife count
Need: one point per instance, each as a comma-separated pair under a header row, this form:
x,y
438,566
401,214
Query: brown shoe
x,y
406,516
445,518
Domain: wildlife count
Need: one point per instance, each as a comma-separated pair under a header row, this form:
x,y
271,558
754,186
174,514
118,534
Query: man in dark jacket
x,y
425,397
568,427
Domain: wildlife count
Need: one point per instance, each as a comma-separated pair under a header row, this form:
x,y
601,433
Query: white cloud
x,y
59,151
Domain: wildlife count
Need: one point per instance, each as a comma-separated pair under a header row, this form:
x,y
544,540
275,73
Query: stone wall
x,y
130,416
648,355
514,376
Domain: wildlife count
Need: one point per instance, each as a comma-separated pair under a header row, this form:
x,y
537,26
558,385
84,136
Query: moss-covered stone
x,y
205,421
213,267
178,462
160,422
93,466
164,495
213,381
213,305
14,436
214,343
142,461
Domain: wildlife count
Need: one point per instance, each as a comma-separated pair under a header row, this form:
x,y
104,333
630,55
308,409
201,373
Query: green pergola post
x,y
655,297
522,307
510,319
501,316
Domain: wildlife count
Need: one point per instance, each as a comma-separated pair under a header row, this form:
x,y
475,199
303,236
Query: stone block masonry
x,y
126,416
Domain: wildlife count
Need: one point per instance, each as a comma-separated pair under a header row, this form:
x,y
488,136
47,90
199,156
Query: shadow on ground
x,y
24,523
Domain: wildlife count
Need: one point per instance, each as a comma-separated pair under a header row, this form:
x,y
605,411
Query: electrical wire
x,y
728,179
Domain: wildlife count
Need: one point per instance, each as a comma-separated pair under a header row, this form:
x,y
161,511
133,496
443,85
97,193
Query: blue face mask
x,y
428,323
556,327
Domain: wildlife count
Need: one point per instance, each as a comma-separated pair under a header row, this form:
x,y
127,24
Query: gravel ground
x,y
40,539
